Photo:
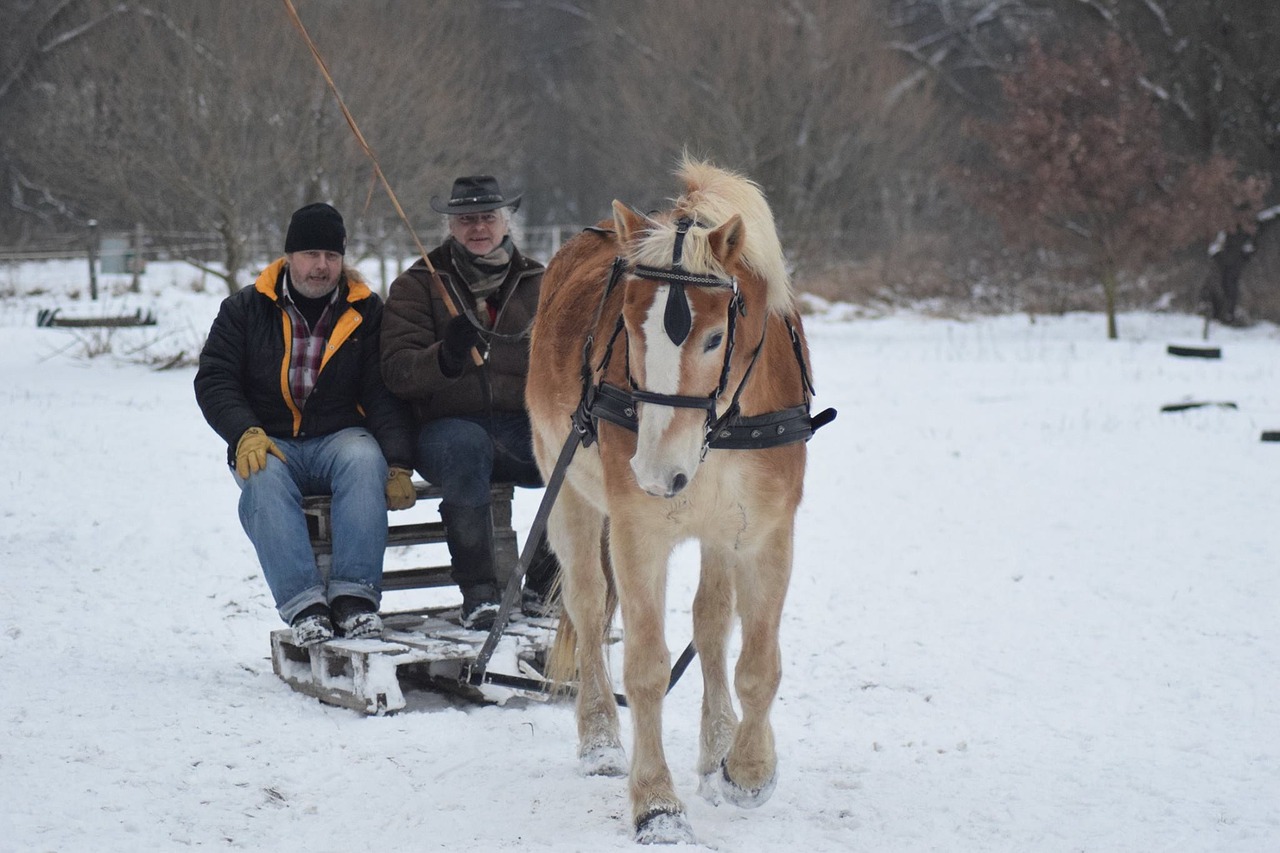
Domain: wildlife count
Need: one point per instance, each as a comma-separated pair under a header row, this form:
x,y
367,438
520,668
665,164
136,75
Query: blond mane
x,y
712,196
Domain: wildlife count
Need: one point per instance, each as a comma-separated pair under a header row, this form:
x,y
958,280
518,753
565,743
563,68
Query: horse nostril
x,y
679,483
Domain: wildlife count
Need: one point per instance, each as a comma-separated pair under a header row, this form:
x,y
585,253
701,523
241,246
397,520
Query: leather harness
x,y
731,431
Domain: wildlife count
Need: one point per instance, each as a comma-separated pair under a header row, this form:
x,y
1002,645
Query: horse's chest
x,y
713,508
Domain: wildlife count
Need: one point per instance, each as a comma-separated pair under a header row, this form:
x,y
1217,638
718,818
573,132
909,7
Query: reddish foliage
x,y
1080,163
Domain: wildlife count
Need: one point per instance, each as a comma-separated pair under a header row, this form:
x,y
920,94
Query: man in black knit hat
x,y
289,377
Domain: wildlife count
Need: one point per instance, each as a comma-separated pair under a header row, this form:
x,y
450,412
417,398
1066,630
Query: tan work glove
x,y
252,450
400,491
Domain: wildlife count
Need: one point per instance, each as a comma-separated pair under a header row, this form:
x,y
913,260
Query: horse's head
x,y
681,306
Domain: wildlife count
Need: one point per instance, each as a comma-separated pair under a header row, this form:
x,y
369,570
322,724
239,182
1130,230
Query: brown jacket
x,y
414,322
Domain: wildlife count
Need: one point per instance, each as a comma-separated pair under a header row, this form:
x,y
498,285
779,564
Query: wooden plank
x,y
422,577
506,547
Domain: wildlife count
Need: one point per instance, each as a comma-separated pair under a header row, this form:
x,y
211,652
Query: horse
x,y
670,347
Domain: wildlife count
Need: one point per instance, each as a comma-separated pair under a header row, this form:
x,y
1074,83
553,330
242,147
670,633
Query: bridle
x,y
605,401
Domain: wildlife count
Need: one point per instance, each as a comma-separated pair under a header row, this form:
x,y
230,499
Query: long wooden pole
x,y
449,306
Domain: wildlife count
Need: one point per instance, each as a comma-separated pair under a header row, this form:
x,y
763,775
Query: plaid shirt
x,y
308,346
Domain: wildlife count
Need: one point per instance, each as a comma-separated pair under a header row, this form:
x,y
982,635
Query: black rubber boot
x,y
469,535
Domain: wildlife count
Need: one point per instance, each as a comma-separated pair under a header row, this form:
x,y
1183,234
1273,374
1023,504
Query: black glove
x,y
456,345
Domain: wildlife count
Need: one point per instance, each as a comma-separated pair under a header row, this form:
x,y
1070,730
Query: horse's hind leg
x,y
575,529
712,621
750,768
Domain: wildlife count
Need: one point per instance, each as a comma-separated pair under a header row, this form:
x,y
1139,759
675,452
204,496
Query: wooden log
x,y
1188,351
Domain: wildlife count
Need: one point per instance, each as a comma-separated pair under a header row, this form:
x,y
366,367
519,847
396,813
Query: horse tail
x,y
562,664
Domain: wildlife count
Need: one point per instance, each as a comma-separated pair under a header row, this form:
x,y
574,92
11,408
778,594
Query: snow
x,y
1029,611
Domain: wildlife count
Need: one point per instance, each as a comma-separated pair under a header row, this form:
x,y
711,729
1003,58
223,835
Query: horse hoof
x,y
743,797
603,761
661,826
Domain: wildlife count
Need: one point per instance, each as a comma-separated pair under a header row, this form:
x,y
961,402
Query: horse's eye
x,y
713,341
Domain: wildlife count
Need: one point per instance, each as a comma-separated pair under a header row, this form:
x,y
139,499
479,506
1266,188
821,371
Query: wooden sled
x,y
422,649
419,648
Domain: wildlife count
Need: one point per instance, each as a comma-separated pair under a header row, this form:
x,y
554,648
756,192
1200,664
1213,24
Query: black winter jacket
x,y
243,379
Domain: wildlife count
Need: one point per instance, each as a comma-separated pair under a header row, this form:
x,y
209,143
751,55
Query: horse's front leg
x,y
712,622
640,569
575,528
750,768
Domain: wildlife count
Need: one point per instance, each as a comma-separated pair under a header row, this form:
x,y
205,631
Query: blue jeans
x,y
464,455
347,464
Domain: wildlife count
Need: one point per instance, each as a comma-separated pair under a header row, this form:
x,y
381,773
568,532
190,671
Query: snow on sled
x,y
419,649
422,648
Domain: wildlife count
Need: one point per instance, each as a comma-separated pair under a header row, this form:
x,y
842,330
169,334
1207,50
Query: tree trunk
x,y
1109,293
233,255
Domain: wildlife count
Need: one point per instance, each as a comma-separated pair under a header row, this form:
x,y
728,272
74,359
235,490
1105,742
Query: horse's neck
x,y
775,382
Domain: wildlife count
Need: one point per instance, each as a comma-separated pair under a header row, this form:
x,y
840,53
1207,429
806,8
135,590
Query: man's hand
x,y
252,450
400,491
460,336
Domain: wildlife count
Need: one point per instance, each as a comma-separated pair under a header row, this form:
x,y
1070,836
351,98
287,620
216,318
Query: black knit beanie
x,y
316,226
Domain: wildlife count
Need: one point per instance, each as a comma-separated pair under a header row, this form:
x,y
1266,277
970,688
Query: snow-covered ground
x,y
1030,612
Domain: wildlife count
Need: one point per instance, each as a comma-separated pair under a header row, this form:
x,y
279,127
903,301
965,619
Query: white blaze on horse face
x,y
669,440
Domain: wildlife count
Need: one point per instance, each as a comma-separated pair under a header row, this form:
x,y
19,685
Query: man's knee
x,y
358,453
454,448
272,484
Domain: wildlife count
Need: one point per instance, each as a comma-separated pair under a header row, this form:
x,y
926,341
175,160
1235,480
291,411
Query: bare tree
x,y
435,98
34,35
797,95
212,117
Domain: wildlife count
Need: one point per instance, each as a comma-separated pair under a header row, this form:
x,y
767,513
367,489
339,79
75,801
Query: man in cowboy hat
x,y
473,428
289,378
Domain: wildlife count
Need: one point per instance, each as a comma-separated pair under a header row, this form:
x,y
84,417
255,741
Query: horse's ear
x,y
728,241
629,222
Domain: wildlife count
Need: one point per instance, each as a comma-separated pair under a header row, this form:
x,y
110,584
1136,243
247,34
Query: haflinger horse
x,y
670,347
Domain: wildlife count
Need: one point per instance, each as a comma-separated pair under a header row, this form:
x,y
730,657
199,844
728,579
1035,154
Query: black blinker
x,y
677,319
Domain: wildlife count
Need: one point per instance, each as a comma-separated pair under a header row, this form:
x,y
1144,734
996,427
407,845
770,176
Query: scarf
x,y
483,274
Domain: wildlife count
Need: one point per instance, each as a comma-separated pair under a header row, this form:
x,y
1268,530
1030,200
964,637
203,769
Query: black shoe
x,y
356,618
312,626
479,607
